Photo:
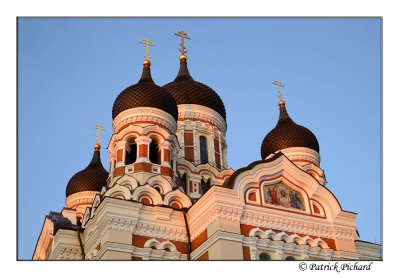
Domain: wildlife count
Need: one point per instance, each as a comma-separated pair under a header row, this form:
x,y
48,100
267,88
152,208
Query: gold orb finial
x,y
146,63
281,103
97,147
183,58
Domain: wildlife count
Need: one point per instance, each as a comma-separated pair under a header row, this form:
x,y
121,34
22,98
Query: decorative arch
x,y
252,196
167,244
294,238
178,196
283,236
152,243
120,192
127,182
159,180
147,190
317,209
257,232
160,245
320,243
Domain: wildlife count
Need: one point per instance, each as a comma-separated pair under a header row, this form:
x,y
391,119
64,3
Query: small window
x,y
131,152
203,150
264,257
184,182
154,152
205,185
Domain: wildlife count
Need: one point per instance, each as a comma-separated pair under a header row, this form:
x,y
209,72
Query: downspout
x,y
80,243
184,210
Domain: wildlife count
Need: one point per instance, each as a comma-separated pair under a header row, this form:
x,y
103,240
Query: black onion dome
x,y
186,90
145,94
287,134
92,178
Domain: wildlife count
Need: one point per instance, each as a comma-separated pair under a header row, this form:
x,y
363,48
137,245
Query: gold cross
x,y
184,36
147,43
279,84
99,127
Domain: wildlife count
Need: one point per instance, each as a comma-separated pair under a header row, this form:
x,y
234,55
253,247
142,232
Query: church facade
x,y
170,195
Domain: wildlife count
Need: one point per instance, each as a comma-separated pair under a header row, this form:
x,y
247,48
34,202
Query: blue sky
x,y
71,70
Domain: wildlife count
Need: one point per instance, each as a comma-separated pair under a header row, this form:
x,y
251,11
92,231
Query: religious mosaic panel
x,y
281,195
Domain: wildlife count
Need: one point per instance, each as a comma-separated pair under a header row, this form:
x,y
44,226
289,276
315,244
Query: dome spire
x,y
146,74
183,69
99,128
286,133
278,83
94,176
146,55
283,115
183,50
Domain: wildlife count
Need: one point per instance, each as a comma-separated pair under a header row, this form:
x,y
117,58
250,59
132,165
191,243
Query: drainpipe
x,y
184,210
80,243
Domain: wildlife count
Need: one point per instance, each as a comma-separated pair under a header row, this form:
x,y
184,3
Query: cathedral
x,y
169,194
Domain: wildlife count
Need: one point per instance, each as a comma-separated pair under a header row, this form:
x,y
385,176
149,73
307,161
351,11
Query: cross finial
x,y
99,127
184,36
279,84
147,43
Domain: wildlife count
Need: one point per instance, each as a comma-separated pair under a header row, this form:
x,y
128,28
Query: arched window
x,y
154,152
131,152
203,150
264,257
290,258
205,185
184,182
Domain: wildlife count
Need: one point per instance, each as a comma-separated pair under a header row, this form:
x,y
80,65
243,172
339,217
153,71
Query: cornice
x,y
144,114
195,112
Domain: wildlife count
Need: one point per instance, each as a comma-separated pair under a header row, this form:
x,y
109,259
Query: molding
x,y
193,112
144,114
300,154
66,246
148,253
80,199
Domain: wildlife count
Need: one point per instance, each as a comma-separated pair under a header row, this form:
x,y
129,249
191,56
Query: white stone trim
x,y
179,196
66,246
148,253
161,181
149,191
200,112
280,249
148,114
75,200
300,153
294,238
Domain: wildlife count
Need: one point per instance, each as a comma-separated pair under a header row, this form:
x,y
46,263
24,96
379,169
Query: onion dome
x,y
145,94
287,134
92,178
186,90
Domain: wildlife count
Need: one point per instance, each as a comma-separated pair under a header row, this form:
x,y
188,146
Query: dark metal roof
x,y
145,94
92,178
60,222
287,134
186,90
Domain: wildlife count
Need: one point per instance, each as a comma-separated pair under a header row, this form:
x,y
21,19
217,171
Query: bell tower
x,y
201,130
